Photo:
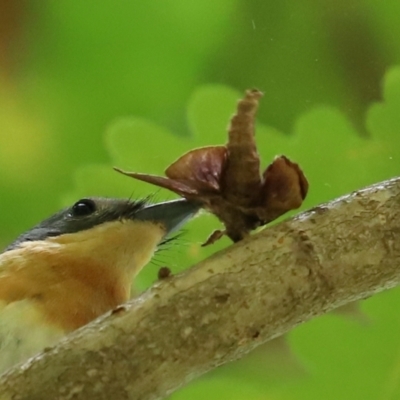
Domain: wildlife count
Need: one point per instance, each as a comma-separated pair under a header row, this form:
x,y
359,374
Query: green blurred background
x,y
85,86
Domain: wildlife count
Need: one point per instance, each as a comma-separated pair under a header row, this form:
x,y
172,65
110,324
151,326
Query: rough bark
x,y
225,306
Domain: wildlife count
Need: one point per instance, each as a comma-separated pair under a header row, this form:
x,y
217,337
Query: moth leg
x,y
216,235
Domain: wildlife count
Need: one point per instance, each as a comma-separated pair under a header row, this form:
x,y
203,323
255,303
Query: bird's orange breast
x,y
68,291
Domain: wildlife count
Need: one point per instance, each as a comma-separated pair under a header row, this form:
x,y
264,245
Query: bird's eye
x,y
83,207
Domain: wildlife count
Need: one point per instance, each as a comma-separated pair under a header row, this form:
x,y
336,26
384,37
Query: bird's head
x,y
80,262
120,233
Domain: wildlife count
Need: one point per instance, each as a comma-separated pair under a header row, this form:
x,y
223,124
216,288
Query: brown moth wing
x,y
199,169
284,187
241,178
177,187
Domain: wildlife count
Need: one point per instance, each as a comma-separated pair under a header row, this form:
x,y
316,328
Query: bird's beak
x,y
171,214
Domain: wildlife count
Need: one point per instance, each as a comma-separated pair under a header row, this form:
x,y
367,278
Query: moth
x,y
227,181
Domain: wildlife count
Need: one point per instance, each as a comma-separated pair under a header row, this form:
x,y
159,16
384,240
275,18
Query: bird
x,y
75,266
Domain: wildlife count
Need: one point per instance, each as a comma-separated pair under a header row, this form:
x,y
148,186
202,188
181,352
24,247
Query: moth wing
x,y
199,169
175,186
285,185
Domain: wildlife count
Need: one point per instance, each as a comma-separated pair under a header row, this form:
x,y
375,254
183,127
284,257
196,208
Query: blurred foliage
x,y
90,85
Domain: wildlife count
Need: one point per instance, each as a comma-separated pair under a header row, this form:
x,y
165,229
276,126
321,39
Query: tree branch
x,y
225,306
